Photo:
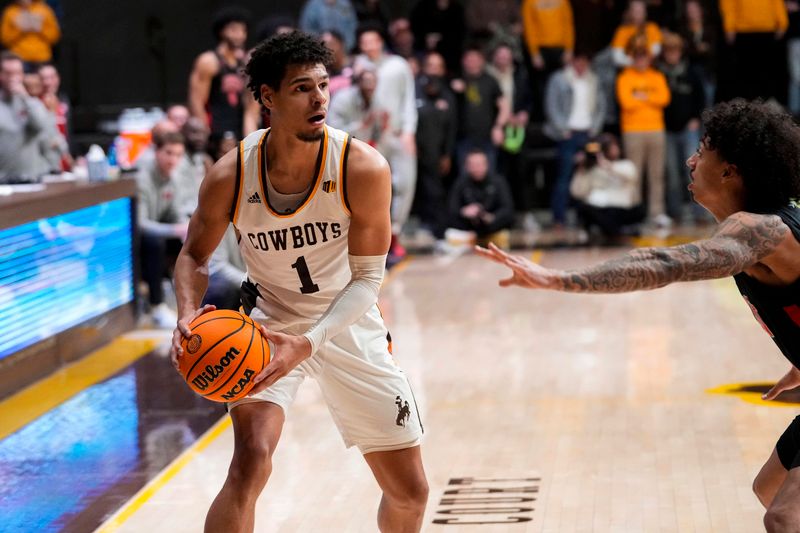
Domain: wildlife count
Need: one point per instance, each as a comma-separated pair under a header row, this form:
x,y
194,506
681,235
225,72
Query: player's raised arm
x,y
205,68
206,228
741,241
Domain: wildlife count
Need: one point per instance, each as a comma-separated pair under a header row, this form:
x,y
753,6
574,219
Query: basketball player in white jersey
x,y
310,207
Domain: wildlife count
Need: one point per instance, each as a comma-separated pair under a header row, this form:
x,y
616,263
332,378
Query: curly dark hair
x,y
229,14
270,59
764,144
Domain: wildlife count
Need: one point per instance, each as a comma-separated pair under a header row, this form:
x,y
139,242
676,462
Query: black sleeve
x,y
791,217
504,208
495,93
698,94
523,99
452,124
455,199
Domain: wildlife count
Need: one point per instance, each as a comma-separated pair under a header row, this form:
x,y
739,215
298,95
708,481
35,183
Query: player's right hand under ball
x,y
183,331
289,351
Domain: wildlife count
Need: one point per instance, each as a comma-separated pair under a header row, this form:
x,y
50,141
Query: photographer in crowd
x,y
606,189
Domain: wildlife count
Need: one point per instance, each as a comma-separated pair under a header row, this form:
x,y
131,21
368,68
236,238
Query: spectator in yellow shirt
x,y
29,29
635,25
549,32
754,31
643,93
753,16
550,40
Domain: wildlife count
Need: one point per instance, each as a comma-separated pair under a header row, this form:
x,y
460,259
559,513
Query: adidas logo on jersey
x,y
255,199
329,186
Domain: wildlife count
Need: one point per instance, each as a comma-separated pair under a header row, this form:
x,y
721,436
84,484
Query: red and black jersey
x,y
225,105
777,308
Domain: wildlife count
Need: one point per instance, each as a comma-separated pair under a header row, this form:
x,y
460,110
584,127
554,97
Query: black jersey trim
x,y
262,162
237,186
790,215
345,153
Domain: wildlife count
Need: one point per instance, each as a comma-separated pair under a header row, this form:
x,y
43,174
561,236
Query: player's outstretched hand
x,y
288,351
524,273
183,331
788,382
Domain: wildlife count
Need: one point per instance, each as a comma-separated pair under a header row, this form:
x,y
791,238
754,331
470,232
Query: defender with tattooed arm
x,y
746,173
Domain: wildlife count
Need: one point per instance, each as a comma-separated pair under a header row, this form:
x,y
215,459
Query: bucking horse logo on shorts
x,y
403,412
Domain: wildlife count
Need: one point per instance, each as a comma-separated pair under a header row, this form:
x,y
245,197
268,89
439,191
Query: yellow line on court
x,y
399,267
157,483
740,390
536,256
46,394
647,241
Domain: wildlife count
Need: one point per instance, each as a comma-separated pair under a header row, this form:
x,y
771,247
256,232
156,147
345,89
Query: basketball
x,y
223,355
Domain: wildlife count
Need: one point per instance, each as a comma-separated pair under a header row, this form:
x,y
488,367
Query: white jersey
x,y
296,260
296,265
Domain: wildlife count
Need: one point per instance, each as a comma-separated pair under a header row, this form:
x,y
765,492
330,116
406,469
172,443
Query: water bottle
x,y
97,164
112,156
113,166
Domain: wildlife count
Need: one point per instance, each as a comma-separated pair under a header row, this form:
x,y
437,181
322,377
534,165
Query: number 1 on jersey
x,y
308,286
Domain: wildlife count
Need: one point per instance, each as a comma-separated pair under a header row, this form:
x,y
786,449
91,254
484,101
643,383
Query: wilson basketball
x,y
223,355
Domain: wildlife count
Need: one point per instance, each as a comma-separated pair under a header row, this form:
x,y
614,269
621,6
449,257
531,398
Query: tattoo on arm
x,y
741,240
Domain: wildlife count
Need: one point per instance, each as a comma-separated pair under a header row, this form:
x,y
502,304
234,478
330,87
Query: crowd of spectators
x,y
558,74
562,72
456,95
33,111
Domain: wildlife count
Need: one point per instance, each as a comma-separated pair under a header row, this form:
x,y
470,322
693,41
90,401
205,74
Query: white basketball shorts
x,y
367,394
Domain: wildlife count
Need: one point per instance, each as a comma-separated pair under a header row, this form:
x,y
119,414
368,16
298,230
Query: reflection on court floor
x,y
75,465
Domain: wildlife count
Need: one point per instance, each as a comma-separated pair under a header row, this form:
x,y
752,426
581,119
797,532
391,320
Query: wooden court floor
x,y
543,412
